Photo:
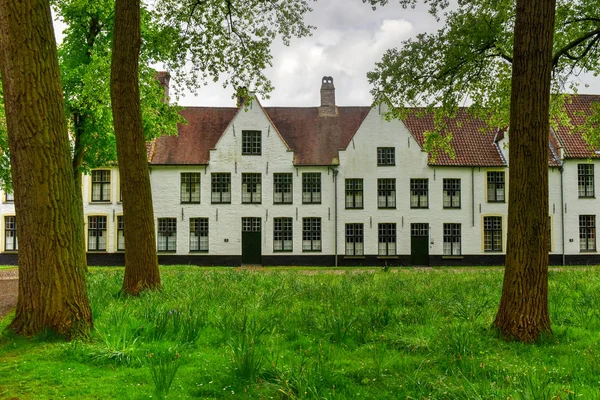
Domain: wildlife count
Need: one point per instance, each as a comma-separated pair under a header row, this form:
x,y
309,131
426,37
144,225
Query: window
x,y
251,143
120,233
587,232
419,193
387,239
10,234
451,239
199,234
549,233
190,187
585,178
9,197
167,234
354,193
311,188
282,189
251,224
386,193
386,156
96,233
221,187
251,191
451,193
492,233
101,185
311,234
495,186
282,234
354,240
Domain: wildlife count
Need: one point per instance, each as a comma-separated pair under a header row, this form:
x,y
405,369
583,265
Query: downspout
x,y
562,214
335,214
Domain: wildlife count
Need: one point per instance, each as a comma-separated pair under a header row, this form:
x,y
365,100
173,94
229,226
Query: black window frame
x,y
587,233
386,188
190,185
311,233
387,237
10,230
101,178
97,224
585,181
283,234
120,232
451,192
199,228
386,156
452,235
355,234
311,188
251,143
496,183
167,228
355,193
251,188
491,228
419,190
220,186
283,186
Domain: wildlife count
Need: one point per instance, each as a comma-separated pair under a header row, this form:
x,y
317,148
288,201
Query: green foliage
x,y
5,177
469,61
418,334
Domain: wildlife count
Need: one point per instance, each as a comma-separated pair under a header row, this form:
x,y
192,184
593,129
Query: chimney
x,y
328,108
164,78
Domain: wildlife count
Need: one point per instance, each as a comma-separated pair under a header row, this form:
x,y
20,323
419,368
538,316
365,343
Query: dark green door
x,y
419,244
251,241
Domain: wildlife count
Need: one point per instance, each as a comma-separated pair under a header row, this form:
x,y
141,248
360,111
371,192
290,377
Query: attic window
x,y
251,143
386,156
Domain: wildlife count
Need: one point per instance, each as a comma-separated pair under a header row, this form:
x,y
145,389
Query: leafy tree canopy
x,y
469,60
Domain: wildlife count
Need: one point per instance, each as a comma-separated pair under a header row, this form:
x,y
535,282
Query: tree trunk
x,y
141,261
52,288
523,313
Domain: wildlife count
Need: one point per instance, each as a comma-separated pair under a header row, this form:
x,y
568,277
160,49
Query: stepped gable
x,y
472,139
316,138
192,146
578,107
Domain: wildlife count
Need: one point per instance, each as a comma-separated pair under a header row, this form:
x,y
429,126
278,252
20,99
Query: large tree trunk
x,y
523,313
52,288
141,261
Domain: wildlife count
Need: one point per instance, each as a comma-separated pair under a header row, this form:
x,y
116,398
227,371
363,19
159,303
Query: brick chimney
x,y
164,78
328,108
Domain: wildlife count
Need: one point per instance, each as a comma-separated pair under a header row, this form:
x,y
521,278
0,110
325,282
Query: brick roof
x,y
472,139
572,143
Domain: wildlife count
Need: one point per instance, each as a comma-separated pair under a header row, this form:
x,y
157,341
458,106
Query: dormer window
x,y
251,143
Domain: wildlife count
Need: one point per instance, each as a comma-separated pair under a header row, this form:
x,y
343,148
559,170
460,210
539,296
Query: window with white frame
x,y
167,234
387,239
120,233
282,188
282,234
190,187
495,186
355,240
9,197
452,240
386,193
221,188
101,185
451,189
492,233
585,180
311,188
419,193
96,233
251,188
587,233
198,234
10,234
311,234
354,193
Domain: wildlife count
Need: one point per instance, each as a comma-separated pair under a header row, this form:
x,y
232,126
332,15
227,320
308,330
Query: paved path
x,y
9,282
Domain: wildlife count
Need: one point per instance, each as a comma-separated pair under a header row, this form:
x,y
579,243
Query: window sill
x,y
386,165
251,203
419,208
386,208
96,251
220,202
166,252
282,204
312,202
354,208
198,251
387,257
588,251
497,202
312,251
587,197
11,252
283,251
354,257
190,202
452,257
451,208
101,202
493,251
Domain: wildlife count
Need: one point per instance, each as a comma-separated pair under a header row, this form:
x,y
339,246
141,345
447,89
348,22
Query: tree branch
x,y
573,44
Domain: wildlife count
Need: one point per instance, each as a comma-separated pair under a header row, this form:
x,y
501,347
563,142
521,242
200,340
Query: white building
x,y
335,185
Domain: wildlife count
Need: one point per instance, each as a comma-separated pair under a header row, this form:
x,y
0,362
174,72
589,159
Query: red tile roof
x,y
573,144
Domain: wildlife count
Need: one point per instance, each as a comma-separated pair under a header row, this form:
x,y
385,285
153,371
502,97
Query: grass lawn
x,y
284,333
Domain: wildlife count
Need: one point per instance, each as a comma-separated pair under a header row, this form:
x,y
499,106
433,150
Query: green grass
x,y
287,334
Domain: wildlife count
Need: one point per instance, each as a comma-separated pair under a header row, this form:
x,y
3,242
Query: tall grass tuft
x,y
163,366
